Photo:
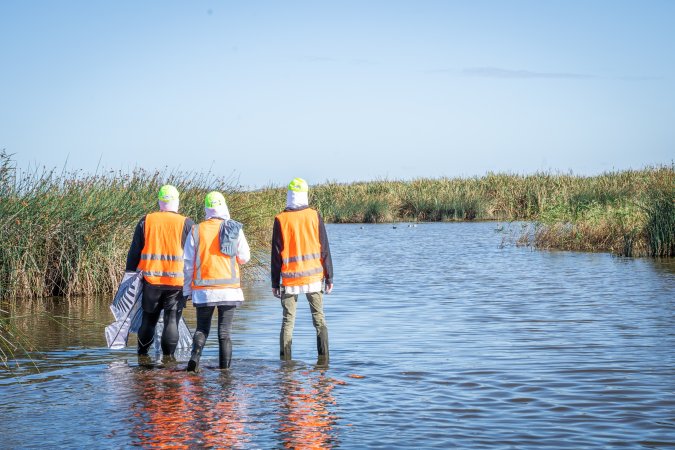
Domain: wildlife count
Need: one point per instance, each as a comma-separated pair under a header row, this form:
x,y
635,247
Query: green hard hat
x,y
298,185
167,193
214,199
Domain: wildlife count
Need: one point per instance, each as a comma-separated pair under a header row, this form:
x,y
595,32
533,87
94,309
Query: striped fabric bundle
x,y
126,308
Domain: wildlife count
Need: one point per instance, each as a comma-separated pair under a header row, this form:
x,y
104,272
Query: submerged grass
x,y
13,340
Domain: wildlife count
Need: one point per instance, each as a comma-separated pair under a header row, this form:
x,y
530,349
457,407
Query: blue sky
x,y
345,91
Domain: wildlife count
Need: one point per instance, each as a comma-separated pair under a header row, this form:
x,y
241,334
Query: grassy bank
x,y
68,233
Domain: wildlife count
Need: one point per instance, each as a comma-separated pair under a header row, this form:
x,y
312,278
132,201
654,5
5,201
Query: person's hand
x,y
276,292
328,288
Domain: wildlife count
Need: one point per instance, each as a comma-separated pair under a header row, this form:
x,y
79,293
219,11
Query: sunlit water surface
x,y
441,337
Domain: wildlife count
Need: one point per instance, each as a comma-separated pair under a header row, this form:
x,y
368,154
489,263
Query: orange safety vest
x,y
162,254
301,253
212,268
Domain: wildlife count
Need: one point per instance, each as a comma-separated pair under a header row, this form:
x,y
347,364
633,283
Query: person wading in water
x,y
157,251
213,253
300,263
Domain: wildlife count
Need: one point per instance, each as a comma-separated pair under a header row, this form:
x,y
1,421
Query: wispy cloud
x,y
496,72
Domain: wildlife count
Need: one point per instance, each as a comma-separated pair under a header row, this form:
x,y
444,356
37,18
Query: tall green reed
x,y
660,228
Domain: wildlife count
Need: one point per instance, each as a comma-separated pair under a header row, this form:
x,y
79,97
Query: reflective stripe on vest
x,y
302,258
162,255
301,251
213,269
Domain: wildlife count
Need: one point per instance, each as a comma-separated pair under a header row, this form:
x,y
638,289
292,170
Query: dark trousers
x,y
225,318
171,302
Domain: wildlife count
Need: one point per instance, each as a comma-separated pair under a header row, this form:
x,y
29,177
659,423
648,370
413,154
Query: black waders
x,y
197,346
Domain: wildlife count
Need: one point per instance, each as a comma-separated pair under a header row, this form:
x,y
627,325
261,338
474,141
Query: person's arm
x,y
243,250
275,262
187,228
188,265
137,244
326,259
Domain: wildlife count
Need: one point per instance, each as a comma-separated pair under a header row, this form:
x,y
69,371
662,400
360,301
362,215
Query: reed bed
x,y
628,213
68,233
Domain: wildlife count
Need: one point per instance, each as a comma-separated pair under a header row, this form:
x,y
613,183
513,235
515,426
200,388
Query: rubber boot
x,y
144,360
322,344
198,342
225,346
169,360
143,347
285,354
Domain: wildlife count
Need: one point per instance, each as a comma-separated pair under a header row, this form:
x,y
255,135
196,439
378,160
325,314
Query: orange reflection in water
x,y
161,410
222,420
174,410
306,420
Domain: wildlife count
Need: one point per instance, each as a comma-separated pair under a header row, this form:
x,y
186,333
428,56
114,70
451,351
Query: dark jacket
x,y
138,242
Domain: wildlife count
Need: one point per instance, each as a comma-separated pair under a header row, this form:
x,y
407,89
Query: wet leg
x,y
172,314
225,318
204,314
151,311
315,300
289,305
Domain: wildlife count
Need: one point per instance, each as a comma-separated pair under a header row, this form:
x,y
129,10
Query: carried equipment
x,y
128,313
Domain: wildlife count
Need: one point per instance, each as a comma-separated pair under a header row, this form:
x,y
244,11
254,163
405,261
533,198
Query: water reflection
x,y
160,412
170,409
305,416
220,412
284,405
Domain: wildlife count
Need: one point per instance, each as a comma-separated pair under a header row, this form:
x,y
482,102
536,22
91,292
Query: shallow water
x,y
441,337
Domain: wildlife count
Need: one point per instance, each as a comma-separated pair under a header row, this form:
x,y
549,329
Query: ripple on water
x,y
440,338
